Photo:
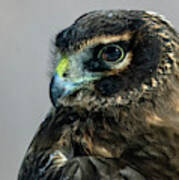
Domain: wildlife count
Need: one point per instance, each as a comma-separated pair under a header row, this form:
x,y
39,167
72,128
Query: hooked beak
x,y
61,86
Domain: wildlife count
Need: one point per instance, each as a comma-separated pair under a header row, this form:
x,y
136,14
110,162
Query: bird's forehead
x,y
100,26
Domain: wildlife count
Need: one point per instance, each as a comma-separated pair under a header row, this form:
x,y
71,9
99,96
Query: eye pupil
x,y
111,53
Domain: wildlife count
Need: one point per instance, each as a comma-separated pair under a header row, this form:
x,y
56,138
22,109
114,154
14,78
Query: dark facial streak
x,y
109,85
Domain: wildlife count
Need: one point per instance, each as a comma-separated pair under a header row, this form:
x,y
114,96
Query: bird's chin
x,y
86,99
81,97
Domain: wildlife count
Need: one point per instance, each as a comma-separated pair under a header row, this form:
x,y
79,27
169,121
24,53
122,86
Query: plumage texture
x,y
117,120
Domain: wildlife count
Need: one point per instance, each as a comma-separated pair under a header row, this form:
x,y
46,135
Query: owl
x,y
115,95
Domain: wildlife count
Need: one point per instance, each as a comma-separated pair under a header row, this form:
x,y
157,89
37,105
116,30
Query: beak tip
x,y
53,91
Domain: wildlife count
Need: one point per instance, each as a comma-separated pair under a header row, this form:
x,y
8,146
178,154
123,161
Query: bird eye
x,y
111,53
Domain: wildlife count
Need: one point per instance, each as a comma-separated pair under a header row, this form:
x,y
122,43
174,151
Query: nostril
x,y
65,74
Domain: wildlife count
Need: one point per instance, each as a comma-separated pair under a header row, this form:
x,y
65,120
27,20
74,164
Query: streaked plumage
x,y
115,91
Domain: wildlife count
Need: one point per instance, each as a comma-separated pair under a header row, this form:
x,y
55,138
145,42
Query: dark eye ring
x,y
111,53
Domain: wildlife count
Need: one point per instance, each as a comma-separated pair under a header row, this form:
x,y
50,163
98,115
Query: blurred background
x,y
27,29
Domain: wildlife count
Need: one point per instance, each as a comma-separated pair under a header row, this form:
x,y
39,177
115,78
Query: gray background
x,y
26,30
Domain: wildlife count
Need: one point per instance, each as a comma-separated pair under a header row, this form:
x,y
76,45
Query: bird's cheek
x,y
108,86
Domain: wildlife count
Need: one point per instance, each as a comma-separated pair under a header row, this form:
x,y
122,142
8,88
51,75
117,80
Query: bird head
x,y
111,56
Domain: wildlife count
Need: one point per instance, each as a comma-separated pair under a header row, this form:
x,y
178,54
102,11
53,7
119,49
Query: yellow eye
x,y
112,53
